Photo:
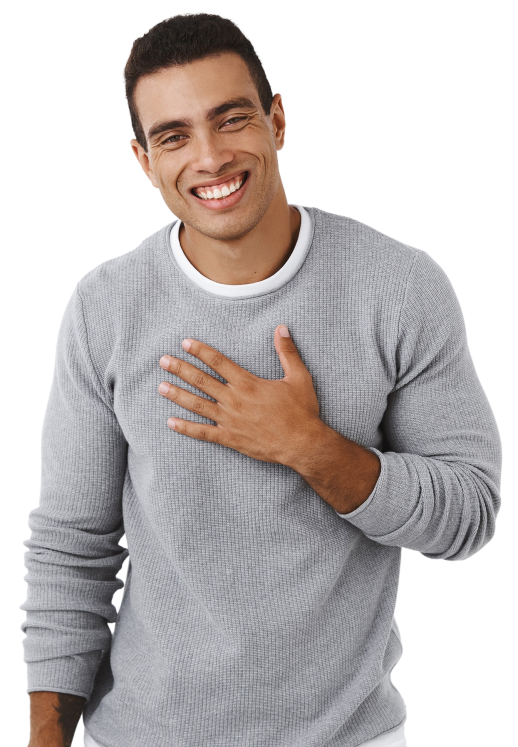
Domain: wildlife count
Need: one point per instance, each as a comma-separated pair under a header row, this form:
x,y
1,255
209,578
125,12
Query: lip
x,y
215,183
224,202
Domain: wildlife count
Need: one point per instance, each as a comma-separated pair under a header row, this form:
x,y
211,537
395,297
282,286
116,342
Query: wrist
x,y
342,472
312,436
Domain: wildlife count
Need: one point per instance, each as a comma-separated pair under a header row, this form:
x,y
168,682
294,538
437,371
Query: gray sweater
x,y
253,613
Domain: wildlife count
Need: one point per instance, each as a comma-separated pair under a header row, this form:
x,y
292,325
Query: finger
x,y
191,402
289,356
226,367
201,432
192,375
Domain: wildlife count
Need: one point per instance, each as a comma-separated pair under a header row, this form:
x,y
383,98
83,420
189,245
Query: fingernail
x,y
284,331
186,344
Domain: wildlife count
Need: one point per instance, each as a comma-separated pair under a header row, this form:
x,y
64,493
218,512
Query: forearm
x,y
54,718
339,470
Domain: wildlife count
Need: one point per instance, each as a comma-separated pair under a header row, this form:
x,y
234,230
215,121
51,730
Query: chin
x,y
227,227
230,231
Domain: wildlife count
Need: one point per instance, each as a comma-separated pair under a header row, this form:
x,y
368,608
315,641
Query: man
x,y
270,401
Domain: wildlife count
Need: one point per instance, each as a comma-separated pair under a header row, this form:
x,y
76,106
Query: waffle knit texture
x,y
253,613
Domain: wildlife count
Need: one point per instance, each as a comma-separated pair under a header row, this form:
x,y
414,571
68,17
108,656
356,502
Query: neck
x,y
251,258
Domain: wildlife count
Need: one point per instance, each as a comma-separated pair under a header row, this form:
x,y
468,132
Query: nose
x,y
211,154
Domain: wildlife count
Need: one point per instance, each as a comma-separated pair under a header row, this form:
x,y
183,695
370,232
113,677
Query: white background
x,y
401,115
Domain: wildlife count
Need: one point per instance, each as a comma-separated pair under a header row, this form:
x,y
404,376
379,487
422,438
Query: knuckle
x,y
200,380
248,387
236,403
216,359
199,405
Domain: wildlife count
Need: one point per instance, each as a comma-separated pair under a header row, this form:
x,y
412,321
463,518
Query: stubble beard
x,y
232,228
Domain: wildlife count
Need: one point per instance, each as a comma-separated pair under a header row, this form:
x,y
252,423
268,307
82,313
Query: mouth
x,y
224,194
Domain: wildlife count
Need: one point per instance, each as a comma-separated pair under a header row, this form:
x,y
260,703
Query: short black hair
x,y
183,39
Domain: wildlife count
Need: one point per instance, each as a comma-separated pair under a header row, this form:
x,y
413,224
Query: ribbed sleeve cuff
x,y
389,507
66,674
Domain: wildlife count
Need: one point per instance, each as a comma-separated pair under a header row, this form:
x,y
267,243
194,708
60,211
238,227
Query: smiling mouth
x,y
219,191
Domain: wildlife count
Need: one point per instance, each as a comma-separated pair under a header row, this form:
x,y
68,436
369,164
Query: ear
x,y
278,120
143,159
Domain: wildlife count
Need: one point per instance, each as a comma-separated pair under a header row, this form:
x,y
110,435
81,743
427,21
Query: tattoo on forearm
x,y
69,709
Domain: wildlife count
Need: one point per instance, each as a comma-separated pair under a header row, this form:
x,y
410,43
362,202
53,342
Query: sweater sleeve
x,y
438,489
74,555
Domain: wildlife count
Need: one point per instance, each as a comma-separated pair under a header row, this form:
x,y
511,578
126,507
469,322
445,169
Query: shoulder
x,y
380,261
112,280
360,240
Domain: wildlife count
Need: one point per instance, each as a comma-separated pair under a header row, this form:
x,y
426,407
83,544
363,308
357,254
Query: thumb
x,y
289,357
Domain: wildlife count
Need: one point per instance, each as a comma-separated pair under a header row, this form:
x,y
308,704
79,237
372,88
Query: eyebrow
x,y
241,102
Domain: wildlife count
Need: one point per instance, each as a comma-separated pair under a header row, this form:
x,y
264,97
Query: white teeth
x,y
217,194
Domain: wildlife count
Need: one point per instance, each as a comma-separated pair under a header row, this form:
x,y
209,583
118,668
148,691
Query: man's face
x,y
206,131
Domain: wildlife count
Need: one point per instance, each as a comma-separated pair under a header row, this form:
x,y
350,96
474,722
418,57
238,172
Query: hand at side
x,y
54,718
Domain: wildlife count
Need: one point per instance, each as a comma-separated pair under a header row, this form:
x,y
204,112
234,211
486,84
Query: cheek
x,y
259,142
167,172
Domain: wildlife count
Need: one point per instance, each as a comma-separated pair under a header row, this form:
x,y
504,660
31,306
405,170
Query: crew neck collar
x,y
275,281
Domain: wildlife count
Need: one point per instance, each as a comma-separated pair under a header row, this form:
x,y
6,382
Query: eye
x,y
234,119
172,139
176,138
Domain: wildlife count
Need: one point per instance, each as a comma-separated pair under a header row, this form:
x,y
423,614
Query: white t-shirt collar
x,y
279,278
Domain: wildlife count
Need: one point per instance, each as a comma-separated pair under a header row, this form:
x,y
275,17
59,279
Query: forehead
x,y
189,91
